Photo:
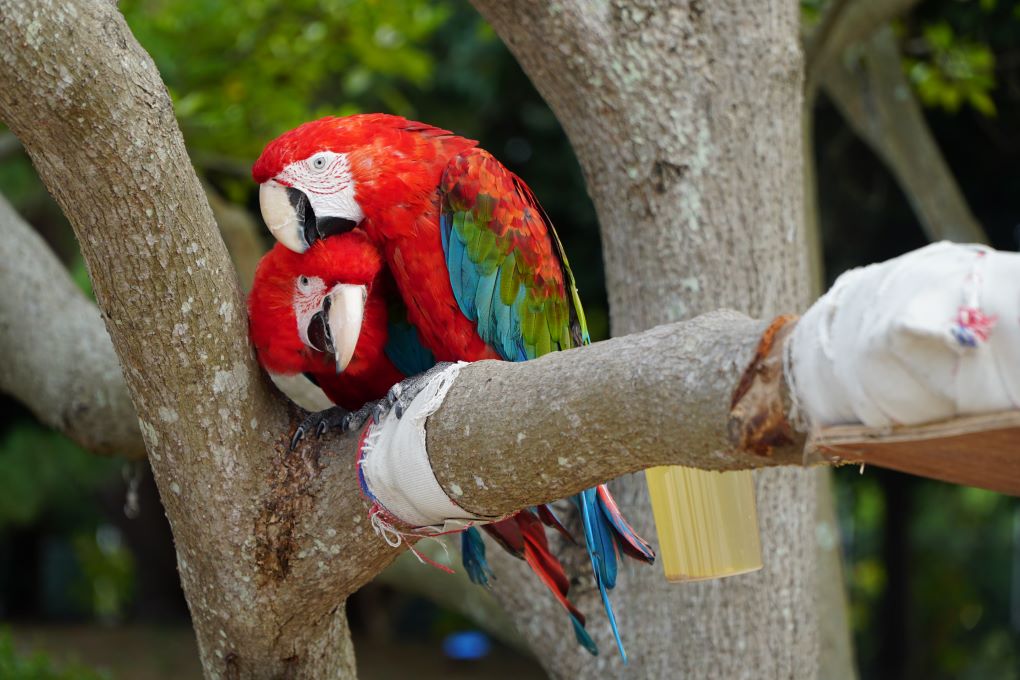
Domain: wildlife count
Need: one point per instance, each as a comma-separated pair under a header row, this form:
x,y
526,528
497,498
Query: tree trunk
x,y
87,103
689,134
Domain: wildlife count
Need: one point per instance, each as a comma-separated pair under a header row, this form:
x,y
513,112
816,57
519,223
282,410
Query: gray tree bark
x,y
686,119
846,23
66,371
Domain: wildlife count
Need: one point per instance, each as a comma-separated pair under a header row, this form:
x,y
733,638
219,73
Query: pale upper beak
x,y
289,214
344,316
336,327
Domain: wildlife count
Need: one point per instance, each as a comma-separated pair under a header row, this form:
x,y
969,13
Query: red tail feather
x,y
536,543
551,520
629,541
523,535
507,534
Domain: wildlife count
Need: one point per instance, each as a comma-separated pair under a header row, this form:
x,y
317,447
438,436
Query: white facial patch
x,y
326,179
308,294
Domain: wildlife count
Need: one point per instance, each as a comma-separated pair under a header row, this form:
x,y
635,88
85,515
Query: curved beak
x,y
345,309
281,217
289,214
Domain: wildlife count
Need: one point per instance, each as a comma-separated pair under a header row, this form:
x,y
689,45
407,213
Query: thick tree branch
x,y
877,101
843,24
239,229
661,397
68,373
60,362
685,118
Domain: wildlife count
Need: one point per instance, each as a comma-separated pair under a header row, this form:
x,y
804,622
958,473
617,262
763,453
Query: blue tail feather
x,y
627,540
598,535
472,551
583,638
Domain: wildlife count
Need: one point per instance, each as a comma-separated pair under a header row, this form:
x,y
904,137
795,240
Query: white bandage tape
x,y
926,336
397,471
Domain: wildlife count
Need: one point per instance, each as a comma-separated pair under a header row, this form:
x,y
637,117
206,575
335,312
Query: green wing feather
x,y
507,266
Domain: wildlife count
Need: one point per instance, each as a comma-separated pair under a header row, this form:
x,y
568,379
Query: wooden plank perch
x,y
981,450
923,353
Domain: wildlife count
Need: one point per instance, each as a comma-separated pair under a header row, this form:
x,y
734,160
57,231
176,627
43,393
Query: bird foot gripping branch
x,y
395,474
397,400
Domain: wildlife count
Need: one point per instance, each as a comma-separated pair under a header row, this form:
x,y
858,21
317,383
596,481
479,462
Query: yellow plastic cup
x,y
706,521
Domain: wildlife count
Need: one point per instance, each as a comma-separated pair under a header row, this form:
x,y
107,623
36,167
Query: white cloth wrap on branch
x,y
926,336
397,471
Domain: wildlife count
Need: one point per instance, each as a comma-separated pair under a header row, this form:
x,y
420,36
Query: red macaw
x,y
473,256
330,315
323,315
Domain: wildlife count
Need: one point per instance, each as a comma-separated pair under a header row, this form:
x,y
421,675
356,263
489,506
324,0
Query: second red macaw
x,y
471,253
330,317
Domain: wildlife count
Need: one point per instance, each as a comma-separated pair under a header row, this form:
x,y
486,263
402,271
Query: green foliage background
x,y
16,666
933,570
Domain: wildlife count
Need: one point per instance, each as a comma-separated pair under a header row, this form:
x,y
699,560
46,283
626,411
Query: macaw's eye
x,y
304,284
319,162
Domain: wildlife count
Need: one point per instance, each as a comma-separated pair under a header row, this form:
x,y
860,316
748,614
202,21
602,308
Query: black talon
x,y
298,436
398,398
319,423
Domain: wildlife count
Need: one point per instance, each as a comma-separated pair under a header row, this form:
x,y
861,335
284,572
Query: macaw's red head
x,y
326,176
315,312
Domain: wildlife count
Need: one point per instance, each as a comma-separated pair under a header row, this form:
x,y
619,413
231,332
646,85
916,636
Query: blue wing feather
x,y
405,350
460,276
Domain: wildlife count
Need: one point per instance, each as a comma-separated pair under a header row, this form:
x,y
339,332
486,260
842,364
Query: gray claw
x,y
398,398
319,423
401,395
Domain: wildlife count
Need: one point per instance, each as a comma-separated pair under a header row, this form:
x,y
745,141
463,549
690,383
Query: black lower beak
x,y
319,334
313,227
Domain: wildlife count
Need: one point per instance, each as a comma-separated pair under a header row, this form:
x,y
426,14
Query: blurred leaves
x,y
46,471
268,66
107,570
950,71
959,575
37,666
811,11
